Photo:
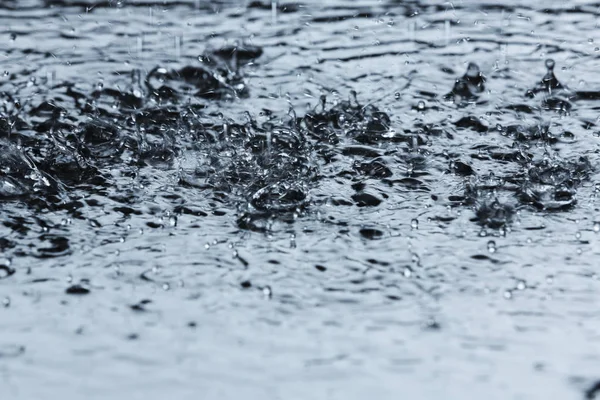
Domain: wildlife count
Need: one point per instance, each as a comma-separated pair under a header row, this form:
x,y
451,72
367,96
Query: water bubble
x,y
596,227
421,105
577,235
491,246
521,285
397,95
166,286
414,223
508,294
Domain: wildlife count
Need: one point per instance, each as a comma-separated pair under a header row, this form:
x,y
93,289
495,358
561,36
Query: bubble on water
x,y
521,285
414,223
166,286
421,105
491,246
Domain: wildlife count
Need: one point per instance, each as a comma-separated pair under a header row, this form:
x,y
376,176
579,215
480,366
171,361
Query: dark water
x,y
335,200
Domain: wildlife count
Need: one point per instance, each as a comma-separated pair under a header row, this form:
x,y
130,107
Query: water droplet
x,y
473,70
491,246
414,224
173,221
550,279
577,235
407,272
166,286
596,227
421,105
508,294
397,95
267,292
6,302
521,285
550,64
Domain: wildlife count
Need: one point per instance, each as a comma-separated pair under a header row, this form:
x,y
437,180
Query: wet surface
x,y
316,199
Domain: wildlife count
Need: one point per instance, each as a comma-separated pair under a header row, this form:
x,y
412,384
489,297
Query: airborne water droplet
x,y
596,227
491,246
414,224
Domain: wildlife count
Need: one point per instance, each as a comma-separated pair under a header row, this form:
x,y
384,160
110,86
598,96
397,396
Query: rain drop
x,y
267,292
414,224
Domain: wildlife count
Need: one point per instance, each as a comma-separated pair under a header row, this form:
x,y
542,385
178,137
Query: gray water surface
x,y
173,232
